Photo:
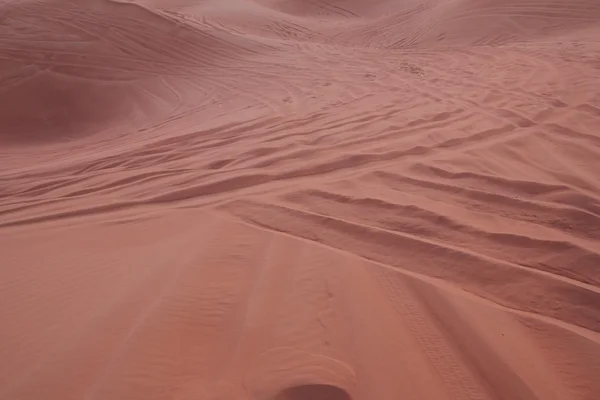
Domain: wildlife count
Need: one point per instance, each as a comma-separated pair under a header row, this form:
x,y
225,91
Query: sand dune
x,y
290,199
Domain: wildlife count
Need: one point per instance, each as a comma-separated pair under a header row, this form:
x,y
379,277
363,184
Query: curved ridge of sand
x,y
285,199
393,24
79,55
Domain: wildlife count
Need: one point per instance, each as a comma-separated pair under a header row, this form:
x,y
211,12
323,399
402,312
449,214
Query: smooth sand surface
x,y
300,199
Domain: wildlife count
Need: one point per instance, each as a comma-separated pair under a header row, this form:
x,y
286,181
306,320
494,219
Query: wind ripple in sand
x,y
279,199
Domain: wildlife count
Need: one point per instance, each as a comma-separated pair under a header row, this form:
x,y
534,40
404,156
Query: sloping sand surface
x,y
300,199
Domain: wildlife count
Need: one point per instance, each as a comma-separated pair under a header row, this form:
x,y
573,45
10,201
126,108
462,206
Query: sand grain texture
x,y
289,199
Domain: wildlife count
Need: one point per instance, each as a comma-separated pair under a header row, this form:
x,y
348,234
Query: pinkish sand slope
x,y
298,200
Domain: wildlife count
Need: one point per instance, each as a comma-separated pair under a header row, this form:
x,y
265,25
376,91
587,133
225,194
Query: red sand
x,y
300,199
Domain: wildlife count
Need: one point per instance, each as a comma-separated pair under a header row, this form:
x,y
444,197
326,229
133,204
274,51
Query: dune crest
x,y
293,200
